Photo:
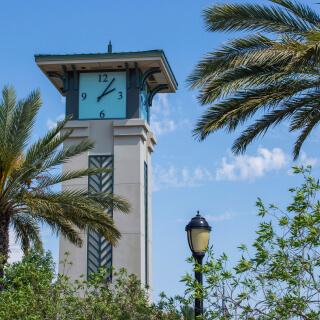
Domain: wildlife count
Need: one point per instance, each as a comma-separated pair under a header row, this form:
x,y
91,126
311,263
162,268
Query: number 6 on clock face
x,y
102,95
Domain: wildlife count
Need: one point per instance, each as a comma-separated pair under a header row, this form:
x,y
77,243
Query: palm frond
x,y
236,110
24,117
75,174
25,180
80,207
301,111
67,153
47,145
308,108
110,201
7,106
26,231
275,75
66,229
300,10
249,17
247,51
249,78
43,154
313,121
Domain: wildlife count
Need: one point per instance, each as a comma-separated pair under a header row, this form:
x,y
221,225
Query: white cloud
x,y
15,253
303,160
247,167
160,121
52,124
224,216
228,215
231,168
63,100
174,177
163,126
61,117
160,105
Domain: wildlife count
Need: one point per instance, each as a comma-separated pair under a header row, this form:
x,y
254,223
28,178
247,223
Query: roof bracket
x,y
59,76
66,80
75,76
146,75
137,75
128,75
154,91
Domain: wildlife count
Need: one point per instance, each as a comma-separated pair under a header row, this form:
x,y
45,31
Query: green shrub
x,y
32,290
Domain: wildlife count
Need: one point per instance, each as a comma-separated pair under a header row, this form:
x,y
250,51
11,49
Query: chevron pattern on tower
x,y
99,252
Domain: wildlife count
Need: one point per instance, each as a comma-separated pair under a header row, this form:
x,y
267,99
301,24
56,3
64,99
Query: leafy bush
x,y
279,277
32,291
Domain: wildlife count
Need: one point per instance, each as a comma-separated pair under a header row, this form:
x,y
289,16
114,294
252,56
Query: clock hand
x,y
105,91
104,94
110,91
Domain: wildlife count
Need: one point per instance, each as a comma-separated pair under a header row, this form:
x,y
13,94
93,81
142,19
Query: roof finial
x,y
198,213
110,47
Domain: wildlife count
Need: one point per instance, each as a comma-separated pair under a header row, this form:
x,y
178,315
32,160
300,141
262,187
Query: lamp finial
x,y
110,47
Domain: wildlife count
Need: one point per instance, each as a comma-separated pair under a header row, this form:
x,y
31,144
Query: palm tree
x,y
272,74
27,198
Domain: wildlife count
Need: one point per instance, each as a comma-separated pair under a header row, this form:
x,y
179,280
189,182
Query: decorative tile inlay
x,y
99,249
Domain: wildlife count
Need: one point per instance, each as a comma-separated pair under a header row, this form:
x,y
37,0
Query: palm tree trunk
x,y
4,242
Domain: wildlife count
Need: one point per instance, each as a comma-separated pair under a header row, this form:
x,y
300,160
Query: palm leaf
x,y
26,178
275,77
249,17
27,232
300,10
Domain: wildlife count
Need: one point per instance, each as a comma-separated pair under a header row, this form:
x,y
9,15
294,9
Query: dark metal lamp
x,y
198,231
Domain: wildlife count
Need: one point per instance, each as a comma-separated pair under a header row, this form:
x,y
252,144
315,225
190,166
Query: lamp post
x,y
198,231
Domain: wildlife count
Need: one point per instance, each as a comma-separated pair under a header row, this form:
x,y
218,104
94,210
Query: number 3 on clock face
x,y
102,95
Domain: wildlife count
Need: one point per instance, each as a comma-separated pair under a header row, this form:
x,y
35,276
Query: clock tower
x,y
110,97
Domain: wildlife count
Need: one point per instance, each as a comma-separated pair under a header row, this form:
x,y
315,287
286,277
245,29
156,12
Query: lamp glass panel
x,y
189,240
200,239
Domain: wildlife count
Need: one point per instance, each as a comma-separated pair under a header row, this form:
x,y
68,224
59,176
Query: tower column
x,y
133,144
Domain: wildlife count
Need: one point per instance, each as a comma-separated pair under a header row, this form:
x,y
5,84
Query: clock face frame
x,y
102,95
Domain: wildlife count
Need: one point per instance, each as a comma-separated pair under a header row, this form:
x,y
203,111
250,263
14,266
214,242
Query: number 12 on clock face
x,y
102,95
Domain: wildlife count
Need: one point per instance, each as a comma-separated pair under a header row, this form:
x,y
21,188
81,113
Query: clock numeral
x,y
103,78
120,95
84,96
102,115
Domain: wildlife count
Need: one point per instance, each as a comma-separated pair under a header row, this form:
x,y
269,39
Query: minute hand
x,y
105,91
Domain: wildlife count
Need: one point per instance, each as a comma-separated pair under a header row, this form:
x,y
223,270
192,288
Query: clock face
x,y
102,95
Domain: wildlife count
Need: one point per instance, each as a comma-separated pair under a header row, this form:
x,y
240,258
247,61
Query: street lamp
x,y
198,231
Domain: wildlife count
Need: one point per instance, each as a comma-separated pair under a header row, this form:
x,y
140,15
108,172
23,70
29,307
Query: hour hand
x,y
105,92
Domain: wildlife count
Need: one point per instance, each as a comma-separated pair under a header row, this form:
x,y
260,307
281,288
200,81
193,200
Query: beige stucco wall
x,y
131,143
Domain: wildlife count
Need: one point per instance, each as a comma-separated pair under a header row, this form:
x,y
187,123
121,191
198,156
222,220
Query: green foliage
x,y
271,73
27,174
279,278
33,263
33,291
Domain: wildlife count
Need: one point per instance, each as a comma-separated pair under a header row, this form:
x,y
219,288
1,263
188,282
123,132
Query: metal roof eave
x,y
46,59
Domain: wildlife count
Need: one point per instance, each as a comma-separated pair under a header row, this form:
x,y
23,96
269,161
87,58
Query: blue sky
x,y
187,175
